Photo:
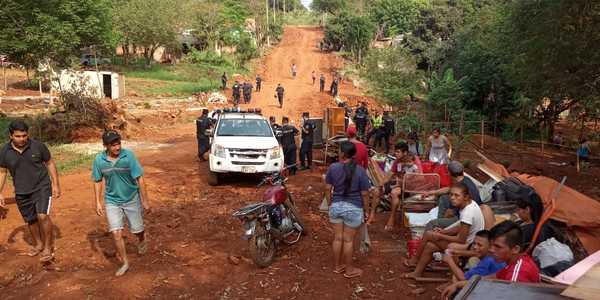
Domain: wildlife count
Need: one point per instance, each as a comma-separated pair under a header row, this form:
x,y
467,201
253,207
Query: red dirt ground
x,y
192,233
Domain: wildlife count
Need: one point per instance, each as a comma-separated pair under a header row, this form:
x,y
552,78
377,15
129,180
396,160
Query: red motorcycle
x,y
274,220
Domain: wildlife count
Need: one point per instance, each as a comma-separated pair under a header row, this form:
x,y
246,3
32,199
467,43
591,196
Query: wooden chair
x,y
418,184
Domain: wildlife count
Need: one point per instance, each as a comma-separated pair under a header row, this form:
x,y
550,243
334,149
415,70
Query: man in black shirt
x,y
202,124
36,183
279,91
276,128
236,92
389,130
322,83
288,143
247,89
224,80
258,83
360,119
308,129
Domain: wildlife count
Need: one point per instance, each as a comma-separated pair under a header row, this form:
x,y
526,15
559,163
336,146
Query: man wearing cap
x,y
447,213
202,125
35,180
247,89
279,94
125,193
288,143
308,129
361,118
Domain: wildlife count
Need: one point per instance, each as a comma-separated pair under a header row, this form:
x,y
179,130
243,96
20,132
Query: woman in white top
x,y
463,231
440,148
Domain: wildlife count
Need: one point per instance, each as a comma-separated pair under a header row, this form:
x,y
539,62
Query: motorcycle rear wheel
x,y
262,247
294,213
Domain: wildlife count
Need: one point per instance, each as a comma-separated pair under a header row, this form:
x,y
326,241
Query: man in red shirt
x,y
362,154
506,247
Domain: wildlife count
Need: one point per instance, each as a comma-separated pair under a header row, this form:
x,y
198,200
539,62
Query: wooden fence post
x,y
482,133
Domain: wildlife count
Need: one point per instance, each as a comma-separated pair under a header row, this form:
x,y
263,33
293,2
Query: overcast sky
x,y
307,3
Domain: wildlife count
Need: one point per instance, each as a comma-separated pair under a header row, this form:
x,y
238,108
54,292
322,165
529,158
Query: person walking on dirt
x,y
288,143
347,195
202,125
294,70
279,94
322,83
125,194
258,83
314,77
247,90
308,129
361,117
389,130
35,181
334,87
236,93
224,80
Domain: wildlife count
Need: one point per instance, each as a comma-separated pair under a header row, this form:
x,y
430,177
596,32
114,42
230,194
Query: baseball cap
x,y
110,137
455,167
351,132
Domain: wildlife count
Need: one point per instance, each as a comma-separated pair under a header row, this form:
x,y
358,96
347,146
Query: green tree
x,y
395,16
328,6
34,30
350,32
445,95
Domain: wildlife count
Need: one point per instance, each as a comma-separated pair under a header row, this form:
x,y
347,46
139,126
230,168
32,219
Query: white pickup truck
x,y
243,143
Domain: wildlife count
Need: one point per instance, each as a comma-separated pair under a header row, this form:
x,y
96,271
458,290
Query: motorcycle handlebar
x,y
271,177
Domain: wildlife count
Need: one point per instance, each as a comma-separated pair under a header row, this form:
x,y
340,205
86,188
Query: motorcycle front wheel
x,y
293,211
262,247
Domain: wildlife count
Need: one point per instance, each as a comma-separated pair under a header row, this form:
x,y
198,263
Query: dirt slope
x,y
193,237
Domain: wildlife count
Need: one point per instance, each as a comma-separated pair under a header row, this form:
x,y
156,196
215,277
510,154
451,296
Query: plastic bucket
x,y
413,246
442,170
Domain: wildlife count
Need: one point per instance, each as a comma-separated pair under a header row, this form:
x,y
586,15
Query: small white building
x,y
96,84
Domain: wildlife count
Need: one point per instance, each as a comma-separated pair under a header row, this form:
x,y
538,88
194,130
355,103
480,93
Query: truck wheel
x,y
213,178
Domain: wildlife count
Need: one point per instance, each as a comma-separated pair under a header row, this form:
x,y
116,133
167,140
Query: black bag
x,y
512,189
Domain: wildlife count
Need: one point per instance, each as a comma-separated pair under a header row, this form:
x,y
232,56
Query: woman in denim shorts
x,y
350,186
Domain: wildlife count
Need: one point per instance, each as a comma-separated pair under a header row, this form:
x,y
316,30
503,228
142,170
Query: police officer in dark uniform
x,y
333,89
224,80
288,143
202,124
361,118
308,129
279,91
258,83
236,92
276,128
247,90
322,83
389,130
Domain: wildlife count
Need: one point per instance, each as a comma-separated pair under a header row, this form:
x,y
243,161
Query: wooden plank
x,y
586,287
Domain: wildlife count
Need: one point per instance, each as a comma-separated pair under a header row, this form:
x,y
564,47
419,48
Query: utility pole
x,y
268,29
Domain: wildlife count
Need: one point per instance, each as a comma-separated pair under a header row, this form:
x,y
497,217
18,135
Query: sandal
x,y
408,264
356,273
32,252
47,257
339,270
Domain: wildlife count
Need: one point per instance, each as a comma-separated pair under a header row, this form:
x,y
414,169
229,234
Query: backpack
x,y
506,193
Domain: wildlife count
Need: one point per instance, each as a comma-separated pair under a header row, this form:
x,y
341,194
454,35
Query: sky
x,y
306,3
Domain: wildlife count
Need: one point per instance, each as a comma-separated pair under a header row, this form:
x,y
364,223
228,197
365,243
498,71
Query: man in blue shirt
x,y
124,194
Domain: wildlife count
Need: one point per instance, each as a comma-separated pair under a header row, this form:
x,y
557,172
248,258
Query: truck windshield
x,y
244,127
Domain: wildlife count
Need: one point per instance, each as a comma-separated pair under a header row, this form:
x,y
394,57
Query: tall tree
x,y
395,16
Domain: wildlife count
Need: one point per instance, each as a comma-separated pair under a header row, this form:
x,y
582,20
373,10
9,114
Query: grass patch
x,y
68,161
301,18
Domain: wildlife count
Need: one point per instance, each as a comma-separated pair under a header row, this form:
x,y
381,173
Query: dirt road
x,y
196,251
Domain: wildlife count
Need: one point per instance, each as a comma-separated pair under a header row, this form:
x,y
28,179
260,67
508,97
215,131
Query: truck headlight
x,y
275,152
219,151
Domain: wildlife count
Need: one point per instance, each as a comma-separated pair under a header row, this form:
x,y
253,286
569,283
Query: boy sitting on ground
x,y
462,232
486,264
506,247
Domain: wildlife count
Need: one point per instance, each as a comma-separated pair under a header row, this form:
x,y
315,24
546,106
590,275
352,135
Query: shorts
x,y
38,202
347,213
131,210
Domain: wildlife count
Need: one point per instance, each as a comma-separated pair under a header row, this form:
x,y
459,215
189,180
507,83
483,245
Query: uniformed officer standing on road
x,y
288,143
322,83
202,124
279,91
247,90
308,128
334,87
276,128
224,81
389,130
258,83
361,118
236,92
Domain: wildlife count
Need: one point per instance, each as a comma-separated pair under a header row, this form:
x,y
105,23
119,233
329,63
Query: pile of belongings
x,y
217,98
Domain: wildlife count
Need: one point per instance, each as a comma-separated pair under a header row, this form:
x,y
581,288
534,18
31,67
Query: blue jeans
x,y
347,213
132,210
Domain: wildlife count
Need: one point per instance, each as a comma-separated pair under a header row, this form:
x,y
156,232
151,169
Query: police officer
x,y
308,129
334,87
389,129
279,91
376,129
247,90
276,128
202,124
322,83
361,117
236,92
224,80
288,143
258,83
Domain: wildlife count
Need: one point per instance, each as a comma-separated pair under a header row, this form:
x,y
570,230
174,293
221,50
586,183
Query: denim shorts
x,y
347,213
132,210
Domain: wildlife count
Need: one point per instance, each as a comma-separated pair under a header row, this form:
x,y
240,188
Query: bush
x,y
206,57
